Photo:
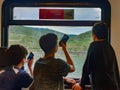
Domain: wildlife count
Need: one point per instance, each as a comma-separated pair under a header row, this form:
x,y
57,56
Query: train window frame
x,y
8,5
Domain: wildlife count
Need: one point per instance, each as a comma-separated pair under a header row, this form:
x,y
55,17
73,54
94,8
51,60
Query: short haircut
x,y
48,42
3,58
16,53
100,29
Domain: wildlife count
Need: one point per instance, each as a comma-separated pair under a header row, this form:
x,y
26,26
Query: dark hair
x,y
16,53
100,29
48,42
3,58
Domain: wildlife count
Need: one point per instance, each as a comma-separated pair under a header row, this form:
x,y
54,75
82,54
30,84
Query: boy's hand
x,y
76,87
30,62
70,80
63,46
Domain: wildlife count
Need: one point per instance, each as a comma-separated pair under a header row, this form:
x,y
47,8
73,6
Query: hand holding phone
x,y
64,39
31,55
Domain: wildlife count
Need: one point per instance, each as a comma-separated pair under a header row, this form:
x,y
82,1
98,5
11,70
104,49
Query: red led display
x,y
56,14
51,14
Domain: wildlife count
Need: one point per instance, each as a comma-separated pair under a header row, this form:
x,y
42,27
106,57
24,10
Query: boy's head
x,y
16,54
100,30
48,42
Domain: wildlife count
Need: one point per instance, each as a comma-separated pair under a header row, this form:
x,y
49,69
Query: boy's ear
x,y
94,36
23,60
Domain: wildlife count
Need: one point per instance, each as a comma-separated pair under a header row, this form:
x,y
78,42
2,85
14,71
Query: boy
x,y
49,71
100,67
13,77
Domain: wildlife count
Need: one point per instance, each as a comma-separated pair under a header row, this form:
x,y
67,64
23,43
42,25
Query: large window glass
x,y
80,36
77,45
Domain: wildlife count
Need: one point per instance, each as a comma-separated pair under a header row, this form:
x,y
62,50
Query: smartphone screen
x,y
31,55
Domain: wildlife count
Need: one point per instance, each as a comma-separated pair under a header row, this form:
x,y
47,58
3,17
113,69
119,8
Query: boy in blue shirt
x,y
13,77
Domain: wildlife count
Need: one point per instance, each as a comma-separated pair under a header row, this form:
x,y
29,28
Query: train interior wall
x,y
115,26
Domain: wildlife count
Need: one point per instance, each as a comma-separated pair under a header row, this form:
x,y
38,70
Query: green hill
x,y
29,37
80,42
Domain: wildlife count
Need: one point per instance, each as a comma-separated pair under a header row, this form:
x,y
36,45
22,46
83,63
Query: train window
x,y
49,13
24,21
80,36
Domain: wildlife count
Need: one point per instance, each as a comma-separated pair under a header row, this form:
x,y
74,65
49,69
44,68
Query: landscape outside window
x,y
77,45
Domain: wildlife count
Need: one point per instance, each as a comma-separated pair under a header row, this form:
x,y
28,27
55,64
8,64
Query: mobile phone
x,y
31,55
64,39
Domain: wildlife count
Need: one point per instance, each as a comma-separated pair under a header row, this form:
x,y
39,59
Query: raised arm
x,y
68,58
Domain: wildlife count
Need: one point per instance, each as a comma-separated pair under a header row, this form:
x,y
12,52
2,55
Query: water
x,y
78,60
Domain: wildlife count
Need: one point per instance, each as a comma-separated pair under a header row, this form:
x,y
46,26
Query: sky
x,y
24,13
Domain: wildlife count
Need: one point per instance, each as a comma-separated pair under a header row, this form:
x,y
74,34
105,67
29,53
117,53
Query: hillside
x,y
29,37
80,42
